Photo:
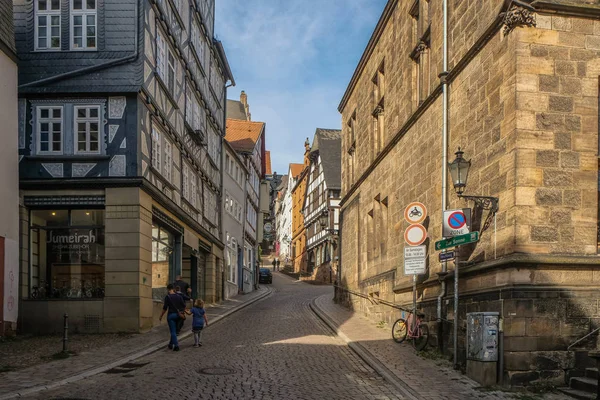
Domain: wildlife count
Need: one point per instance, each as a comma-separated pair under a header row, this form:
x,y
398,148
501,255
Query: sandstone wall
x,y
525,111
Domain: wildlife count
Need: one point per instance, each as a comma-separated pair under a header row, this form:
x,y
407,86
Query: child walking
x,y
199,321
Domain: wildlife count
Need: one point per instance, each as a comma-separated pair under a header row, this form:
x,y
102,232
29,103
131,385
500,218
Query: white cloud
x,y
294,59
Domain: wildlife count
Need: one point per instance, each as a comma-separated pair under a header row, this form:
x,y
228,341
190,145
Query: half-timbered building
x,y
121,122
322,199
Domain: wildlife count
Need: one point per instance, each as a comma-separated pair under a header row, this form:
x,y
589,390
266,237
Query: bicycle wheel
x,y
420,342
399,331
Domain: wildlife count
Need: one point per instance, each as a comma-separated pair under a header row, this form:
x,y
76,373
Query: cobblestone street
x,y
274,349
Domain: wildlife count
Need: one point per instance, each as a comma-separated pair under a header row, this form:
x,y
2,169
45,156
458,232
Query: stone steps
x,y
583,387
591,373
585,384
578,394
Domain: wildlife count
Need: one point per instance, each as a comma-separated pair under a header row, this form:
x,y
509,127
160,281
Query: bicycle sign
x,y
415,213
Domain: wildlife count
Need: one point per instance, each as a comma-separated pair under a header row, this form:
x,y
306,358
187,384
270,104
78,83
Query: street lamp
x,y
324,219
333,240
459,171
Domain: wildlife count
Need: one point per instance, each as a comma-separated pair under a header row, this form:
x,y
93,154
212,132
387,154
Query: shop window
x,y
66,254
163,243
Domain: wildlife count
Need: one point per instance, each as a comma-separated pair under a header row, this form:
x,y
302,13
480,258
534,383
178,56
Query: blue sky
x,y
294,59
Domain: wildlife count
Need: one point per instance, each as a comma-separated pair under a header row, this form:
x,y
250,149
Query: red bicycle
x,y
411,327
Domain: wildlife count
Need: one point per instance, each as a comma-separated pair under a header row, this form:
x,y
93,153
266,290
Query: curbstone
x,y
366,355
142,353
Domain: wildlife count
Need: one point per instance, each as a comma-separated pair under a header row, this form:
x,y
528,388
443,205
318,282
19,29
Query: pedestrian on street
x,y
199,321
185,299
185,287
274,264
278,264
175,306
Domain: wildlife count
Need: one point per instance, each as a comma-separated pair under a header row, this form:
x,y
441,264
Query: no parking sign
x,y
456,222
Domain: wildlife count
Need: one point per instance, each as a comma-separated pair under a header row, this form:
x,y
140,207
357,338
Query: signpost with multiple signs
x,y
415,256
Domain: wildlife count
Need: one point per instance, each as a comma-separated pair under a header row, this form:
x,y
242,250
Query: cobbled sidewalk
x,y
423,378
57,373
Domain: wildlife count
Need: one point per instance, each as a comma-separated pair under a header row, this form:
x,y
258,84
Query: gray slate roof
x,y
284,183
328,142
7,32
236,110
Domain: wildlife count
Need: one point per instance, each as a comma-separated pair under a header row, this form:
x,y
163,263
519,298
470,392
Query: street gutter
x,y
147,351
366,355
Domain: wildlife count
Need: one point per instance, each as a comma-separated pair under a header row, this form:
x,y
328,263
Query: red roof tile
x,y
268,163
296,169
243,135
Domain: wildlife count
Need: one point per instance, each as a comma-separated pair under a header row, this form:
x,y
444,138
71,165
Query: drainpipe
x,y
443,76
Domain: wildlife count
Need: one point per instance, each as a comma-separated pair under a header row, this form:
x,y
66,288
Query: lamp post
x,y
459,171
324,221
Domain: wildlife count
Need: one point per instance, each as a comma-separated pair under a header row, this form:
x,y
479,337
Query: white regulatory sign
x,y
456,222
268,227
415,252
415,266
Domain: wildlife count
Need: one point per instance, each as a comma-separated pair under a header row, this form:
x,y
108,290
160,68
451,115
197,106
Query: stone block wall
x,y
558,65
524,109
128,274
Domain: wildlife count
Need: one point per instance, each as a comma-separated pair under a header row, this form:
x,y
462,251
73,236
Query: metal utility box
x,y
482,336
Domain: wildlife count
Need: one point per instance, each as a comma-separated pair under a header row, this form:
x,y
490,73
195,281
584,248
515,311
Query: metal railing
x,y
583,338
377,301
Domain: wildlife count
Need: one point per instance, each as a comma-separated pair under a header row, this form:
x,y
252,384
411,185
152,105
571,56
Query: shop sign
x,y
83,244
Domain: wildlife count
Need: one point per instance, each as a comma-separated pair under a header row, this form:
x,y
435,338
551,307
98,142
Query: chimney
x,y
244,101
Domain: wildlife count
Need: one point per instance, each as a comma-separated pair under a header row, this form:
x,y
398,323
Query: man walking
x,y
183,285
183,289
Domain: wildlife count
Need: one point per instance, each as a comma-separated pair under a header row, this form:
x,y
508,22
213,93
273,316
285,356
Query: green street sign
x,y
457,241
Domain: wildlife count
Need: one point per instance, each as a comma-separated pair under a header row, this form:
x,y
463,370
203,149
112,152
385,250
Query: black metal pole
x,y
65,332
